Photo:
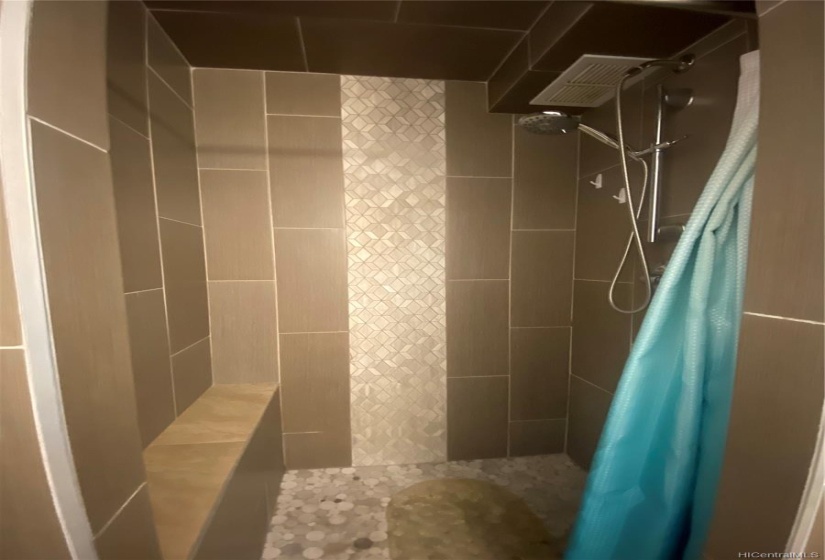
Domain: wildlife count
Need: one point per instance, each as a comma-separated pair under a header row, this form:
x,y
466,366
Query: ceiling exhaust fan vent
x,y
590,81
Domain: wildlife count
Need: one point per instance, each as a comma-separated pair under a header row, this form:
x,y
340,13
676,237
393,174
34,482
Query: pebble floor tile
x,y
340,513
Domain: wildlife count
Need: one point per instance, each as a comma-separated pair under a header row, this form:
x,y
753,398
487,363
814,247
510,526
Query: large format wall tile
x,y
394,166
192,374
65,85
126,64
131,535
540,359
602,227
305,171
315,381
151,366
135,203
79,236
29,527
601,335
229,108
780,362
788,232
165,59
312,280
537,437
185,283
542,278
589,406
479,144
244,332
478,228
318,450
544,180
478,316
477,417
10,334
299,93
236,224
173,151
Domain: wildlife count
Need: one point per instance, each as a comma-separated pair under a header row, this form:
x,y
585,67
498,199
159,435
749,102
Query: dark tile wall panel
x,y
479,144
477,328
164,58
542,278
297,93
589,406
478,228
537,437
477,417
539,360
10,334
126,64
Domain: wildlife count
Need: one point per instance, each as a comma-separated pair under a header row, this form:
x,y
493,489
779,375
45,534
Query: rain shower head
x,y
549,122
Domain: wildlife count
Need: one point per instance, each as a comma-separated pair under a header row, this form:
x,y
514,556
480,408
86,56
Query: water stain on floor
x,y
460,518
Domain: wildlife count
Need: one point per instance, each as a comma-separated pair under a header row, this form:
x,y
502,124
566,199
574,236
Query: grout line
x,y
18,347
69,134
479,377
582,379
119,510
780,318
180,221
188,347
130,127
510,286
525,229
397,12
311,228
573,291
273,258
308,116
553,327
302,43
158,218
168,38
232,281
229,169
159,77
142,291
300,433
476,279
203,222
769,10
538,420
476,177
524,37
605,281
313,332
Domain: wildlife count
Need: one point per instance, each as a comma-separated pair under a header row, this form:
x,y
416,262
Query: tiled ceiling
x,y
518,46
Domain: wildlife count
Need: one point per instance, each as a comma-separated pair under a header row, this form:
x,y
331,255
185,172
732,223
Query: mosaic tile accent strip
x,y
341,514
394,180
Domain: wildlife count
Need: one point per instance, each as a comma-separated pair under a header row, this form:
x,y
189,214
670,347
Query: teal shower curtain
x,y
651,490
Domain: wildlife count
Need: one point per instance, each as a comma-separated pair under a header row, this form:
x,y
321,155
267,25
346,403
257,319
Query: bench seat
x,y
214,474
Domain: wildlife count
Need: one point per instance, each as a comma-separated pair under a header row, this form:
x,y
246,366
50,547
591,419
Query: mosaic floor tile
x,y
340,513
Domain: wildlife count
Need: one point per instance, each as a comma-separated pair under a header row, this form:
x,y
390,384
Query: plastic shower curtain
x,y
651,490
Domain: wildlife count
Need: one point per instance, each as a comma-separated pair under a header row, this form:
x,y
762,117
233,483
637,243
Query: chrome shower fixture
x,y
558,122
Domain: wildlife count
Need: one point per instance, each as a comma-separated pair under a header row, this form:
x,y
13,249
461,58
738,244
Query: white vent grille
x,y
589,82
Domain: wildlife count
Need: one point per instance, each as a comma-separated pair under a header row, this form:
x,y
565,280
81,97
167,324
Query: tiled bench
x,y
214,474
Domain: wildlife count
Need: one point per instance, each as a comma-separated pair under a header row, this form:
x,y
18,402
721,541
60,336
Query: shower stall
x,y
343,280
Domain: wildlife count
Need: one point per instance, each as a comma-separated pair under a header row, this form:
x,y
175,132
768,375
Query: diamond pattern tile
x,y
394,178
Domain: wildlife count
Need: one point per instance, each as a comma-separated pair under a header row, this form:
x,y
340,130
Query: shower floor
x,y
340,513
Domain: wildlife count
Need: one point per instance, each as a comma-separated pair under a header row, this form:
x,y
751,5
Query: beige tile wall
x,y
601,336
154,171
510,222
29,527
75,169
778,393
269,149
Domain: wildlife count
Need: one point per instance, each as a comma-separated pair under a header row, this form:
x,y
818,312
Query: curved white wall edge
x,y
29,274
812,496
